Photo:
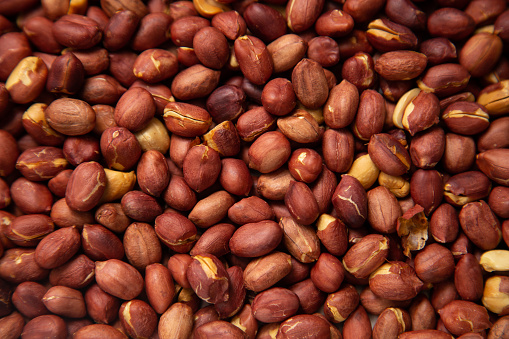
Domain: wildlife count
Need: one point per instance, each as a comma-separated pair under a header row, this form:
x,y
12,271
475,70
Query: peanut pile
x,y
254,169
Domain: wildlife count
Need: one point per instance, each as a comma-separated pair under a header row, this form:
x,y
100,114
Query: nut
x,y
28,230
445,79
153,173
364,170
323,189
376,305
416,111
86,186
305,165
300,127
159,287
494,260
120,29
359,70
286,51
301,15
494,135
269,235
427,147
223,138
327,274
494,98
179,195
154,137
275,304
76,273
333,234
135,109
334,23
81,149
155,65
66,75
310,83
208,278
467,118
27,80
350,201
391,322
57,248
444,223
77,31
459,153
99,330
31,197
387,36
434,263
480,53
451,23
358,321
395,281
341,106
265,271
141,245
388,154
18,265
301,203
230,23
211,48
176,231
235,177
65,301
214,240
194,82
118,279
253,58
9,153
396,184
47,325
338,149
426,189
201,167
383,210
138,318
340,304
495,297
494,163
466,187
310,297
117,184
176,322
438,50
366,256
254,122
210,210
27,298
401,65
303,325
480,225
468,278
70,116
422,313
219,326
461,316
278,97
300,240
269,152
370,115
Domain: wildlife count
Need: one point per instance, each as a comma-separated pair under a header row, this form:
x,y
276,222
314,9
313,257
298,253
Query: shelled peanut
x,y
242,169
